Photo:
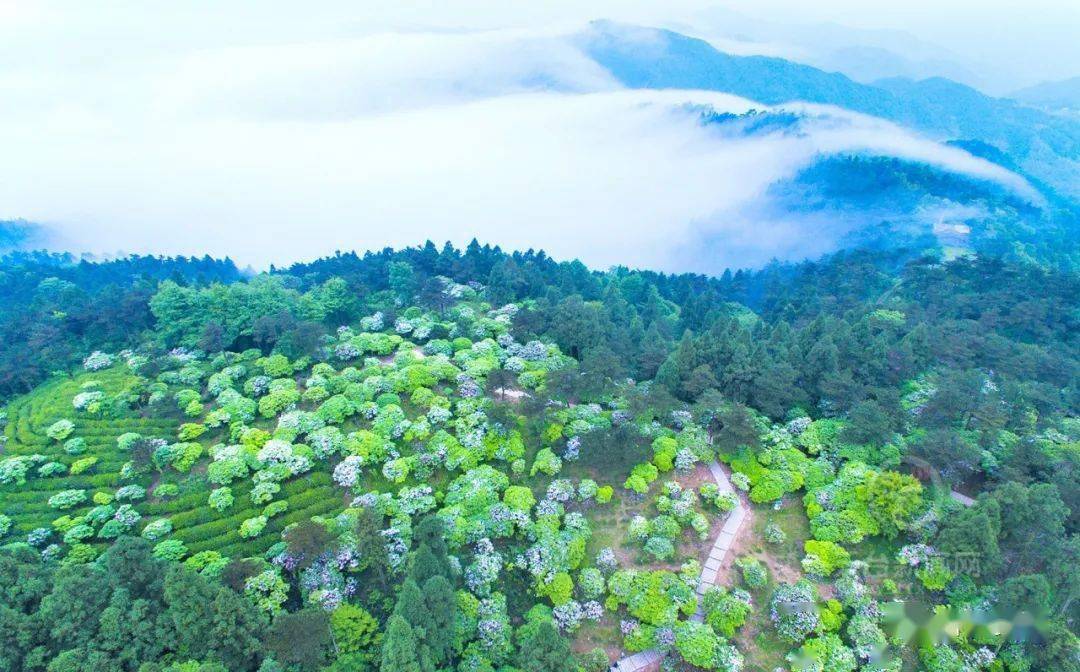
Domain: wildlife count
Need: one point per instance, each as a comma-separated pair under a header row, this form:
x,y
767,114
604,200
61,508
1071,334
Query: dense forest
x,y
443,459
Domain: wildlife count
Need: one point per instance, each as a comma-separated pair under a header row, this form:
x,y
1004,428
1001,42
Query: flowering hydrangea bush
x,y
741,481
774,534
67,499
268,590
493,625
38,536
347,472
220,499
97,360
52,469
324,582
14,469
130,493
573,449
60,430
793,611
157,529
88,401
374,322
916,555
75,446
257,386
484,569
326,441
606,561
568,616
252,527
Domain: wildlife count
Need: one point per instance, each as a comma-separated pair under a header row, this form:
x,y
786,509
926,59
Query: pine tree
x,y
410,606
430,558
236,632
399,651
426,565
441,605
542,649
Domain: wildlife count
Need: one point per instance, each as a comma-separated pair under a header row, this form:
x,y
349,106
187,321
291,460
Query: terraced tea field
x,y
200,527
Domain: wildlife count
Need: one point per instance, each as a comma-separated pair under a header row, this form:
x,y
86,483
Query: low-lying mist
x,y
272,156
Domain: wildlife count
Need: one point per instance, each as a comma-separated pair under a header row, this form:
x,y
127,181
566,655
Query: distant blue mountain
x,y
1063,95
1044,145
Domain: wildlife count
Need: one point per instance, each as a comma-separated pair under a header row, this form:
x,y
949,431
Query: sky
x,y
272,132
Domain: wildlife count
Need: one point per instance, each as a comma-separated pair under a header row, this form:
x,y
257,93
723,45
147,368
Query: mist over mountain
x,y
1045,145
18,234
565,133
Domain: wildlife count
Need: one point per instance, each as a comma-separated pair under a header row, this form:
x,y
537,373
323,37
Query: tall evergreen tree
x,y
441,603
411,607
542,649
399,652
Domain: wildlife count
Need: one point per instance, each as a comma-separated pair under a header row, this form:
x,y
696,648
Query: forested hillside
x,y
442,459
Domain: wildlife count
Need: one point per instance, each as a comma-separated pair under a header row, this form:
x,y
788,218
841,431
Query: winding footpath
x,y
721,547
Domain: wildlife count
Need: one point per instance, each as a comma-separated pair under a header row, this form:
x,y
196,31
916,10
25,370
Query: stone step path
x,y
710,571
962,498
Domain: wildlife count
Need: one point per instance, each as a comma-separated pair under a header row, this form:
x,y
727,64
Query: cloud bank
x,y
277,153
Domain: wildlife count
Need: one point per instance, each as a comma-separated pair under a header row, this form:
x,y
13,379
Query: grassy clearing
x,y
763,649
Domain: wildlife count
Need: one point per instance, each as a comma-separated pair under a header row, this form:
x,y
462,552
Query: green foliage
x,y
823,558
825,654
935,574
546,462
220,499
170,549
542,649
641,476
399,650
664,450
252,527
726,611
355,630
893,499
754,573
380,440
660,548
697,644
301,639
655,598
82,465
559,589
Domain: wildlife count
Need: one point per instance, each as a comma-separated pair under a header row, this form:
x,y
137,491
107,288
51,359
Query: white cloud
x,y
379,73
280,152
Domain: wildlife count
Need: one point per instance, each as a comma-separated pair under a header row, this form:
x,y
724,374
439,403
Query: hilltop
x,y
353,448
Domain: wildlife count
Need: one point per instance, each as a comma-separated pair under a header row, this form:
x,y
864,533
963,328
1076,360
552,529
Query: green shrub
x,y
754,573
171,549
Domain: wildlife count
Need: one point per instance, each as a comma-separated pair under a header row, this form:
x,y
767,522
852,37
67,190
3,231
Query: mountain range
x,y
1041,144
